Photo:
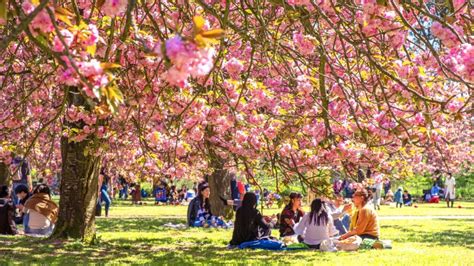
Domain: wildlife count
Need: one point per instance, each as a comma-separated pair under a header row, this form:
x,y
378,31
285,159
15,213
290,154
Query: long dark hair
x,y
293,195
245,216
318,214
249,201
204,202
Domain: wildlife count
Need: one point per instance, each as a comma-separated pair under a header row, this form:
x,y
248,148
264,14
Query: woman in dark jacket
x,y
249,223
7,213
291,215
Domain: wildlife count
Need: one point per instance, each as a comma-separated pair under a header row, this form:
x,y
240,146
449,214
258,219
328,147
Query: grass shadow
x,y
450,237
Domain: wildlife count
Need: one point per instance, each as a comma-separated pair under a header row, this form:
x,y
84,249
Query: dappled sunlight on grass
x,y
135,234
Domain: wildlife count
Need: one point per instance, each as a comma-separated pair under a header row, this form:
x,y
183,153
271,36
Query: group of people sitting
x,y
326,219
165,194
36,211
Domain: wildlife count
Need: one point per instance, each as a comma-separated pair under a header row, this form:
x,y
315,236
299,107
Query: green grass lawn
x,y
124,209
134,234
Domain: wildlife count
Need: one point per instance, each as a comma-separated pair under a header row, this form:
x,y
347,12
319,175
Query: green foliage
x,y
416,184
465,185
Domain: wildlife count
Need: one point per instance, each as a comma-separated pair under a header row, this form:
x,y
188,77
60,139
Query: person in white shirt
x,y
316,226
450,189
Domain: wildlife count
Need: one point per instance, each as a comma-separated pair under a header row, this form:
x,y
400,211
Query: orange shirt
x,y
365,221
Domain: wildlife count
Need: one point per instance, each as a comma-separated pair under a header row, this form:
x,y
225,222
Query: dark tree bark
x,y
219,183
4,172
79,184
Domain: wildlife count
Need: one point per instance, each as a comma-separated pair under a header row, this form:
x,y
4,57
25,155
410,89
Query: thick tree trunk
x,y
4,172
78,192
219,183
79,182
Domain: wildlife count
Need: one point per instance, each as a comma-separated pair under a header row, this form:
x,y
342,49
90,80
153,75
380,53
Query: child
x,y
398,197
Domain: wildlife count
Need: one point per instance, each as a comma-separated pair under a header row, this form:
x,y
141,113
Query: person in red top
x,y
241,189
291,215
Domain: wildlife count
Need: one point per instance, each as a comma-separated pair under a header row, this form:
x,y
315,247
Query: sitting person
x,y
364,221
249,224
389,197
182,193
136,195
339,213
199,209
7,213
41,212
23,195
291,215
316,226
160,194
434,194
407,198
173,195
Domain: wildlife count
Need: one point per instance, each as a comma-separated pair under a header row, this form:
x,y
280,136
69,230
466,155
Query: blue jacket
x,y
398,196
435,190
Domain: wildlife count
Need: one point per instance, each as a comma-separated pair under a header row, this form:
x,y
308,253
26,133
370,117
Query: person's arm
x,y
262,223
286,219
300,227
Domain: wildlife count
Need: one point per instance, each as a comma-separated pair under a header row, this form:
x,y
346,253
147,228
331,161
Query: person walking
x,y
450,190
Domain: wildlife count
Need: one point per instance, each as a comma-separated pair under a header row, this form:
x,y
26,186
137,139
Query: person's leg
x,y
447,199
452,203
340,227
346,221
107,201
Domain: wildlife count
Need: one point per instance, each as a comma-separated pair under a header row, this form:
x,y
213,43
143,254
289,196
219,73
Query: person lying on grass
x,y
199,209
364,221
249,223
316,226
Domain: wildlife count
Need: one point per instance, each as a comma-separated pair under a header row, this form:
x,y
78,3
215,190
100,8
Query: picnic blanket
x,y
267,244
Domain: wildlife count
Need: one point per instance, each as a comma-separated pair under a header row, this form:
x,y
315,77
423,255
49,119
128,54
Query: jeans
x,y
106,199
44,231
342,224
123,194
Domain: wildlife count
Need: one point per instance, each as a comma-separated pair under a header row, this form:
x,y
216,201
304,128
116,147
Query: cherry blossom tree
x,y
292,89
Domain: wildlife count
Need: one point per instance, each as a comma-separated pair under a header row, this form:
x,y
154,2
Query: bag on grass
x,y
349,244
367,243
267,244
